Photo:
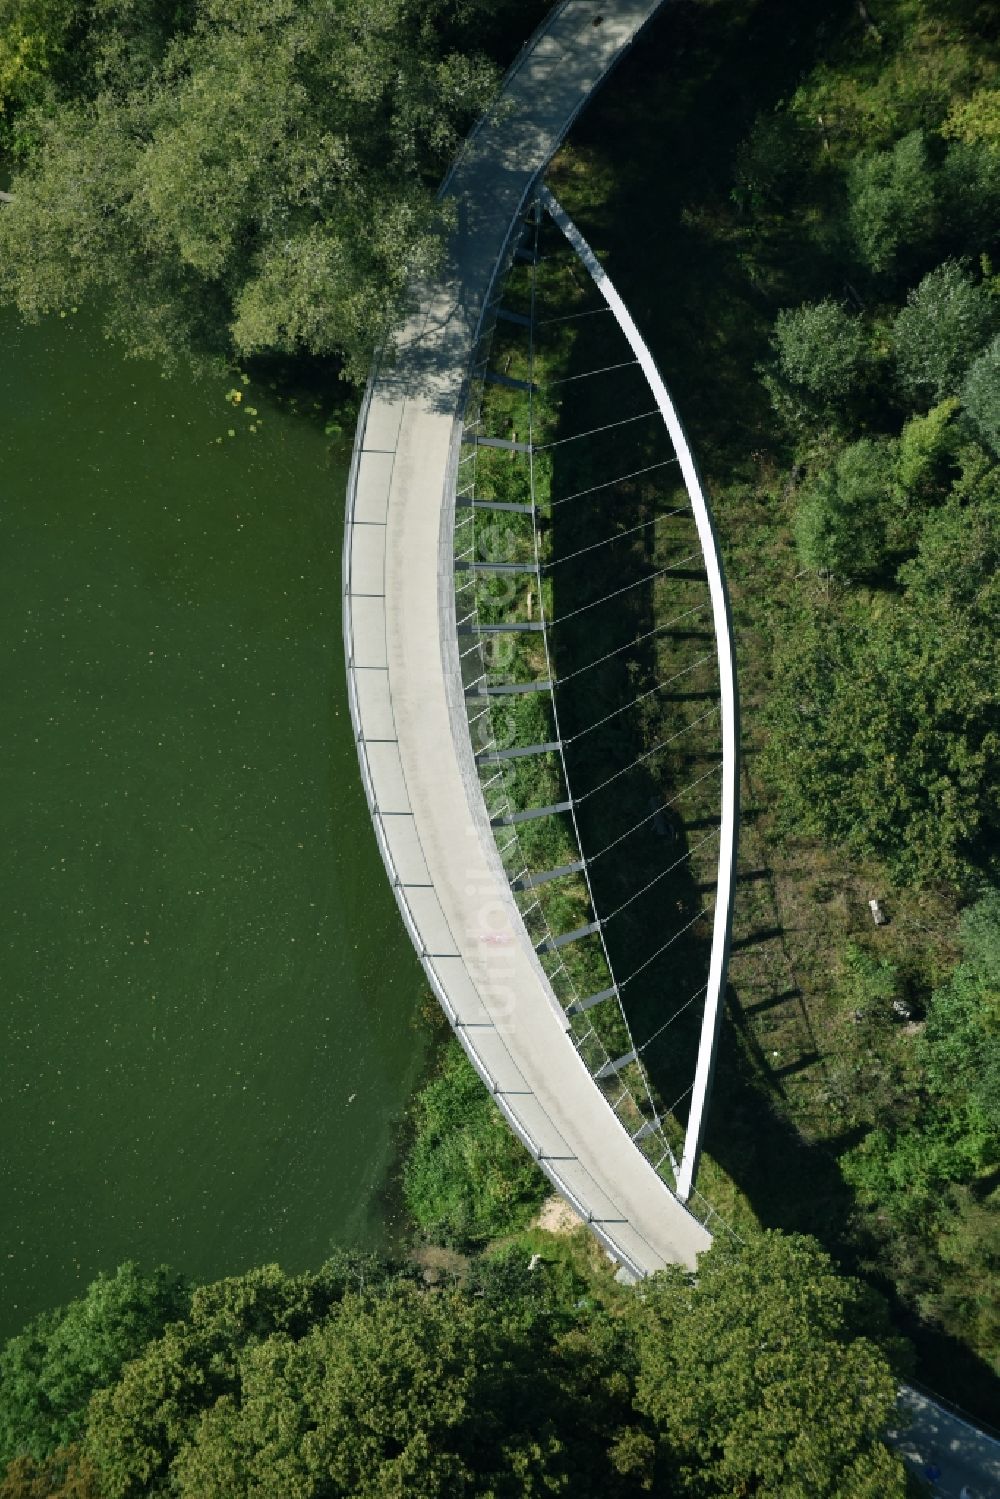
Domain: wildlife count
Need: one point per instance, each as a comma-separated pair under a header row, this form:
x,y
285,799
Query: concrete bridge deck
x,y
405,683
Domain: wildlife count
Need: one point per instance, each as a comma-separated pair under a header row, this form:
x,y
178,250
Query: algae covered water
x,y
208,996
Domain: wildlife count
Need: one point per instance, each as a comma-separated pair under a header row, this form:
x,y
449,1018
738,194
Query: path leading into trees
x,y
405,682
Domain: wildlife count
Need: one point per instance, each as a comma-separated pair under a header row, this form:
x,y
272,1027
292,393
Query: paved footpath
x,y
409,710
957,1460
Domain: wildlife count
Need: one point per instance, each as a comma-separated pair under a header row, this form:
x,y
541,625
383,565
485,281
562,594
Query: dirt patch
x,y
439,1264
556,1216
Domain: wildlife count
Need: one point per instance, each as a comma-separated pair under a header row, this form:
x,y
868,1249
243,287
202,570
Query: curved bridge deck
x,y
405,682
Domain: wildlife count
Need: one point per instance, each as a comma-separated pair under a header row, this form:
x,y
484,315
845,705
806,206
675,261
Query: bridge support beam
x,y
529,881
510,818
611,1069
552,943
579,1005
509,689
517,752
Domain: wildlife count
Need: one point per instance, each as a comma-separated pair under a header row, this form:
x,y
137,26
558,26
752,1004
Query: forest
x,y
230,181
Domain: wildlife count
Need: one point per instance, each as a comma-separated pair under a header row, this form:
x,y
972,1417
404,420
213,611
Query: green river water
x,y
208,994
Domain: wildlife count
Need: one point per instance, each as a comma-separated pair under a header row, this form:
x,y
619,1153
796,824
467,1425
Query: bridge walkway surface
x,y
405,683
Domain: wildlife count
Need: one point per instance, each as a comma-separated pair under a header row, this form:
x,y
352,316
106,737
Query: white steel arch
x,y
722,624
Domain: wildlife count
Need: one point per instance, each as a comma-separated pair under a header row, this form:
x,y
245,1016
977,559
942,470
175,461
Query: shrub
x,y
821,348
840,524
939,332
892,202
981,394
466,1177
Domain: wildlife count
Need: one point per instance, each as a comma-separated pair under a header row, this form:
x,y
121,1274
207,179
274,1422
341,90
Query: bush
x,y
892,202
821,348
981,394
466,1178
840,523
926,448
944,325
50,1370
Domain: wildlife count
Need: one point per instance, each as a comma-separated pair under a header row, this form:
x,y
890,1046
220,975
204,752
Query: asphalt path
x,y
954,1458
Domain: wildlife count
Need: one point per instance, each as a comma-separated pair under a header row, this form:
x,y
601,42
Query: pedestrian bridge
x,y
428,598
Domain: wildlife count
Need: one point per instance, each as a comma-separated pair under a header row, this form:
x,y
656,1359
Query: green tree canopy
x,y
981,394
892,203
821,348
34,36
261,180
955,1136
758,1380
883,727
359,1381
840,524
361,1384
49,1371
944,325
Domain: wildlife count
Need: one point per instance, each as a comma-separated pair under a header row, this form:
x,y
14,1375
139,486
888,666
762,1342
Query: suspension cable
x,y
649,817
619,536
629,644
661,950
543,447
603,370
648,754
610,483
660,1029
649,578
710,656
567,317
663,874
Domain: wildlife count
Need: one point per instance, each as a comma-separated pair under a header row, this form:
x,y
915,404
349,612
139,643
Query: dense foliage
x,y
50,1370
883,735
466,1176
357,1380
271,168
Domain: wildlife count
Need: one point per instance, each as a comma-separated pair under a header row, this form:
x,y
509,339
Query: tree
x,y
359,1381
840,520
33,36
892,208
313,1387
758,1379
981,394
975,120
65,1475
50,1370
945,323
960,1047
821,349
272,171
136,1426
769,163
927,451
